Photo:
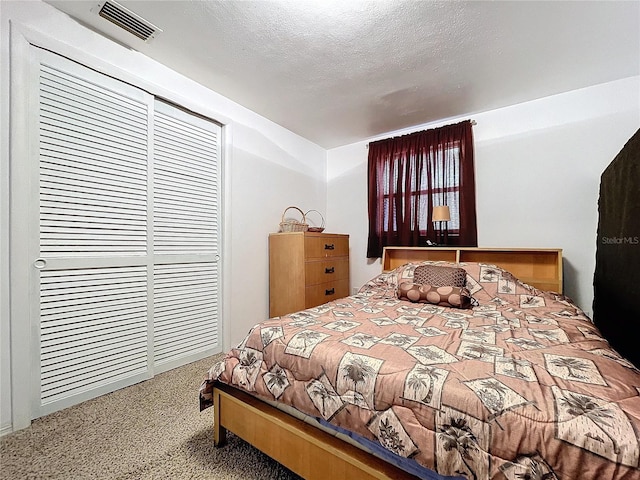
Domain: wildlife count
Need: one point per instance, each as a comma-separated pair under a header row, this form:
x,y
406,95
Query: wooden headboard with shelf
x,y
538,267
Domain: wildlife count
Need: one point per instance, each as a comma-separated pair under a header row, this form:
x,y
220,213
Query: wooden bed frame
x,y
316,455
305,450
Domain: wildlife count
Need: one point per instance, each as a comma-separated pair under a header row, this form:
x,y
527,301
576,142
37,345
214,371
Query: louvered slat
x,y
52,185
73,175
95,379
67,160
78,214
172,183
190,325
185,186
101,138
82,335
85,95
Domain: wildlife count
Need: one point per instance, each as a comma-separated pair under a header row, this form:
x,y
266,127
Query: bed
x,y
494,379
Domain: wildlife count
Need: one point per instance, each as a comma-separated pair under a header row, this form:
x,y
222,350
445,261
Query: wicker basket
x,y
315,229
292,225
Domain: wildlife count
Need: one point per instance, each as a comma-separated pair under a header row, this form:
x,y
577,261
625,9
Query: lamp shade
x,y
441,214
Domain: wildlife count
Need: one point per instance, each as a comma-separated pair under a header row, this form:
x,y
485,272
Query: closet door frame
x,y
20,254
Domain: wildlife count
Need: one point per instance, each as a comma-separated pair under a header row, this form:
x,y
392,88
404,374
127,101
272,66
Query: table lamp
x,y
440,214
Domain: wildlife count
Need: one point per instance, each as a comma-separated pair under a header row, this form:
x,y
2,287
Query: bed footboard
x,y
303,449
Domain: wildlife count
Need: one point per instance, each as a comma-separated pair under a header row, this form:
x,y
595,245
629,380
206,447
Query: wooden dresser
x,y
306,269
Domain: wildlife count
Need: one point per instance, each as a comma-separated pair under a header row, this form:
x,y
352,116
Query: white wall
x,y
538,167
267,168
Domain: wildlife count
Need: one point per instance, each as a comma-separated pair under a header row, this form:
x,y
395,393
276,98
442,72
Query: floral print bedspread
x,y
520,386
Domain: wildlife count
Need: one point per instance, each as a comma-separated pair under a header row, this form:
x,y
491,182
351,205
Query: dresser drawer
x,y
321,271
325,292
323,246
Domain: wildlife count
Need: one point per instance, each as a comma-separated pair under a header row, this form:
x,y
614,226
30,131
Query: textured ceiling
x,y
337,72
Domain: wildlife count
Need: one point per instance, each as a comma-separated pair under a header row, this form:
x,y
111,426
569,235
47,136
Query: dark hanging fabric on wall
x,y
616,283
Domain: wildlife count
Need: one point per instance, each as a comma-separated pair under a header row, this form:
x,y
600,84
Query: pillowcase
x,y
440,276
445,296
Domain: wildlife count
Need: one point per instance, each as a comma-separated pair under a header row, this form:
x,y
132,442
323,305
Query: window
x,y
409,175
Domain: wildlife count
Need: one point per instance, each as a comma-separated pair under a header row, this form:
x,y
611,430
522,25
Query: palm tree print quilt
x,y
520,386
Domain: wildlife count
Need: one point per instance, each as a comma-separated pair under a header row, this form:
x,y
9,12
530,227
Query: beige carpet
x,y
152,430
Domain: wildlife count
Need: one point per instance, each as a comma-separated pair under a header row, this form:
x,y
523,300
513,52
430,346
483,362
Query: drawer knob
x,y
329,270
330,292
329,247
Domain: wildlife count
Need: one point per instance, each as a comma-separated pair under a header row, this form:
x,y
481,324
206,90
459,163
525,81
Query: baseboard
x,y
6,429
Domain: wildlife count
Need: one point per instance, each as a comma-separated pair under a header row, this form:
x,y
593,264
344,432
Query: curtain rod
x,y
473,122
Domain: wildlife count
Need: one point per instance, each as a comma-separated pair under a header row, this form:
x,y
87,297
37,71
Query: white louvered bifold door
x,y
185,236
123,237
93,157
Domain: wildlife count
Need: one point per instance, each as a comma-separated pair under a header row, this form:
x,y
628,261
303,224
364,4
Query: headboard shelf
x,y
539,267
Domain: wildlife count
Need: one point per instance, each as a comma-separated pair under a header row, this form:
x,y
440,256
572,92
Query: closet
x,y
120,199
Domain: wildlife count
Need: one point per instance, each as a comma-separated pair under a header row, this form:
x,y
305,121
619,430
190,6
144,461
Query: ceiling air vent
x,y
126,19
